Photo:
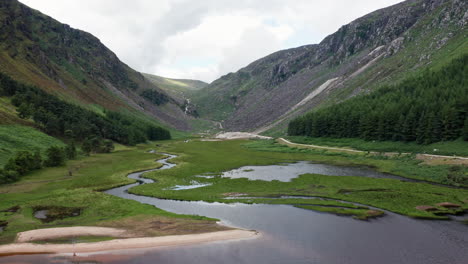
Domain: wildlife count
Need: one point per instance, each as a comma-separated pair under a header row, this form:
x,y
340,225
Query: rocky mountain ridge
x,y
382,46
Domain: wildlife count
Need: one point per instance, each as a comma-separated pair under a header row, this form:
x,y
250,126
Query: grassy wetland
x,y
79,200
54,190
212,158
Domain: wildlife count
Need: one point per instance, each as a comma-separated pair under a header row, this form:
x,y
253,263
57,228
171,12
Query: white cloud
x,y
204,39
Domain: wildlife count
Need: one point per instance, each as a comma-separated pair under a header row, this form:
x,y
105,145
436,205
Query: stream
x,y
293,235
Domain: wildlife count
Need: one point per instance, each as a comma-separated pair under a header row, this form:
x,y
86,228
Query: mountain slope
x,y
180,89
428,108
75,66
176,86
381,47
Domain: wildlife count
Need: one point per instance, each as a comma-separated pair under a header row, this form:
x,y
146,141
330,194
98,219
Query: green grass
x,y
51,187
326,206
457,147
198,157
14,138
9,115
72,240
406,166
178,87
361,214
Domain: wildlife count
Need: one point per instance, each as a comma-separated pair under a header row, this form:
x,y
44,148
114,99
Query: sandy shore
x,y
128,243
53,233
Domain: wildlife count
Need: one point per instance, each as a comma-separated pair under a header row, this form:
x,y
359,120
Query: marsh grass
x,y
52,187
198,158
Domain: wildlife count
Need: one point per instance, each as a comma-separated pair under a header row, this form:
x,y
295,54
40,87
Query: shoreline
x,y
127,243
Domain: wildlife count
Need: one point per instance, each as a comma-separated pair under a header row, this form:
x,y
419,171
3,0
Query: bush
x,y
24,162
107,146
71,150
55,157
7,176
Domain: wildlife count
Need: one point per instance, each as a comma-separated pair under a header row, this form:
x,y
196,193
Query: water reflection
x,y
287,172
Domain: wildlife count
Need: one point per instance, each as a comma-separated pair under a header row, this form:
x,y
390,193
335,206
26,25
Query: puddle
x,y
205,176
193,185
12,209
49,214
41,214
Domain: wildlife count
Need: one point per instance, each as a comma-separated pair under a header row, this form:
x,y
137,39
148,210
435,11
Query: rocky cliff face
x,y
380,47
75,65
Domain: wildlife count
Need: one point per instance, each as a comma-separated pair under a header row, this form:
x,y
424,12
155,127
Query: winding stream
x,y
292,235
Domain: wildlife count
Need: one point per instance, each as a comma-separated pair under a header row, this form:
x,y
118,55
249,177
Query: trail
x,y
425,157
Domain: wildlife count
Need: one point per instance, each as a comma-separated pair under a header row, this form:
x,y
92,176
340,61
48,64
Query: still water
x,y
289,171
292,235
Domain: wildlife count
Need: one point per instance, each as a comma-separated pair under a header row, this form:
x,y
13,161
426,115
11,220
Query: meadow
x,y
212,158
362,198
456,147
53,188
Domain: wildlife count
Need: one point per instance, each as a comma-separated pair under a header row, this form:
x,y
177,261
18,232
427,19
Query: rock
x,y
426,208
448,205
395,46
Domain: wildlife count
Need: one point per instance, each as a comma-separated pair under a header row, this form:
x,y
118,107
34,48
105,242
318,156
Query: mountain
x,y
180,89
382,47
75,66
175,86
427,108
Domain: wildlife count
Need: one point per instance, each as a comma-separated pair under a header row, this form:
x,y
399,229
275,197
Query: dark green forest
x,y
429,107
62,119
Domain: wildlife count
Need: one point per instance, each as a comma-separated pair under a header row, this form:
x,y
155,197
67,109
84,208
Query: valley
x,y
199,161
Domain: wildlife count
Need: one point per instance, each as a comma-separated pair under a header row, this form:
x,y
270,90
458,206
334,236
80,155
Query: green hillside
x,y
427,108
15,138
179,88
75,66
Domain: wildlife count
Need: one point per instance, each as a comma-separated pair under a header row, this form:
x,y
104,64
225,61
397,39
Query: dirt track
x,y
427,158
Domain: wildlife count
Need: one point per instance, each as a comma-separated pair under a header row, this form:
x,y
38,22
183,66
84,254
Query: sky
x,y
204,39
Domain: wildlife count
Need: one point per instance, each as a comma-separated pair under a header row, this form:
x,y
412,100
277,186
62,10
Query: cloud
x,y
204,39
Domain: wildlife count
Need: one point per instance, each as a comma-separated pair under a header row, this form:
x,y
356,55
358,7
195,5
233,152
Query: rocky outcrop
x,y
359,56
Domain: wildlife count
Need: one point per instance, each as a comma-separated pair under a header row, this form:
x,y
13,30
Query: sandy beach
x,y
53,233
116,244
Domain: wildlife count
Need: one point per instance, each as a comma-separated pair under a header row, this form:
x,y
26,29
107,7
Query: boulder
x,y
448,205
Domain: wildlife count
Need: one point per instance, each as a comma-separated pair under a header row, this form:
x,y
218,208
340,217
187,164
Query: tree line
x,y
427,108
25,161
71,123
59,118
